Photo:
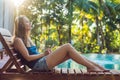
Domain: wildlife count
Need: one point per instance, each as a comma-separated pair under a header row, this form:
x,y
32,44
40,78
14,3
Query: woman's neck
x,y
29,42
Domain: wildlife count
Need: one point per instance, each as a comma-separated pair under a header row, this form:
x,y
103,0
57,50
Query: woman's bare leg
x,y
96,64
65,52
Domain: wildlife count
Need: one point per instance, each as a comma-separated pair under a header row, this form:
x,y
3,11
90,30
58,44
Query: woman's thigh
x,y
57,56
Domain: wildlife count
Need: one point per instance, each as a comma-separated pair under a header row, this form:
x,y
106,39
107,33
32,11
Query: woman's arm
x,y
19,46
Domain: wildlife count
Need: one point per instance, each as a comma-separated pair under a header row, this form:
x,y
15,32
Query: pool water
x,y
108,61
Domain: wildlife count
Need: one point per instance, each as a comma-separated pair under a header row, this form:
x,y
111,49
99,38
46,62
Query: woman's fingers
x,y
49,50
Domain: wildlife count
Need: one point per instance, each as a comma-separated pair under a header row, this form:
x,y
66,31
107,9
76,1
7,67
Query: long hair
x,y
19,29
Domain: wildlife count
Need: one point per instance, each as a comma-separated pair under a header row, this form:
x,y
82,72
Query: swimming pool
x,y
108,61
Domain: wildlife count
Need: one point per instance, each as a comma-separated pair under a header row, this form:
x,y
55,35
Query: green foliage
x,y
94,25
114,40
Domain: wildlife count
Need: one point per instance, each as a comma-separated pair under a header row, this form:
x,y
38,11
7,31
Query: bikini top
x,y
32,51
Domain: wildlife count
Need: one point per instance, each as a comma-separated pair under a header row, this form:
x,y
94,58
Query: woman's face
x,y
27,24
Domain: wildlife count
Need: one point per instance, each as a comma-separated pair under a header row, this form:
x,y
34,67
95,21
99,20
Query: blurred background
x,y
91,26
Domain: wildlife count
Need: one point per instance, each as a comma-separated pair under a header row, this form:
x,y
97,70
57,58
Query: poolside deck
x,y
62,74
58,74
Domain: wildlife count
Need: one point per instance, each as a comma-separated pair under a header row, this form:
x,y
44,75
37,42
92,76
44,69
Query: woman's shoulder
x,y
17,40
18,43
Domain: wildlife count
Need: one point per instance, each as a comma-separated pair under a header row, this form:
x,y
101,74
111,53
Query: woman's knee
x,y
67,45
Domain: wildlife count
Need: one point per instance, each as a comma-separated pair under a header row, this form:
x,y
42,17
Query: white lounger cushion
x,y
6,34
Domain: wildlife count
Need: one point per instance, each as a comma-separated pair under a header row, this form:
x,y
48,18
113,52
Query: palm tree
x,y
70,17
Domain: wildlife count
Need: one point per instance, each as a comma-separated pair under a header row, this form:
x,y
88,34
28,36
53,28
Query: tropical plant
x,y
89,25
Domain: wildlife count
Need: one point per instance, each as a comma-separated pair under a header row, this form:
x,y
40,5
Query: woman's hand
x,y
47,51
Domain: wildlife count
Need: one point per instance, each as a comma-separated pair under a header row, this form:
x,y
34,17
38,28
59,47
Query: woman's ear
x,y
20,24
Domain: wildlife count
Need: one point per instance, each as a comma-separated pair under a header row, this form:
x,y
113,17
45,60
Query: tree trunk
x,y
59,31
102,37
98,35
70,3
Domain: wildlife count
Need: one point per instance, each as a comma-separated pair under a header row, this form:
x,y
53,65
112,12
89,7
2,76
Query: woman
x,y
48,60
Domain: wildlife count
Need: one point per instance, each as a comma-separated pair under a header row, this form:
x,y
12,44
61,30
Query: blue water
x,y
108,61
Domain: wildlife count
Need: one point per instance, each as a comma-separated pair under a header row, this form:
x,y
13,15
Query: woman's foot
x,y
94,70
100,69
98,66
